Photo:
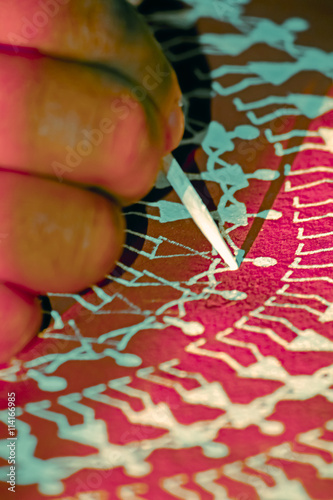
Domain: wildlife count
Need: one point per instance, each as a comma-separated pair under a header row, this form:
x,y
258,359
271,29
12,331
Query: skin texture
x,y
87,100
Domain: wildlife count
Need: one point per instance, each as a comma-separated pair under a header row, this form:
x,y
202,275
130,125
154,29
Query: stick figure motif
x,y
228,11
230,177
323,133
275,73
308,105
216,140
279,36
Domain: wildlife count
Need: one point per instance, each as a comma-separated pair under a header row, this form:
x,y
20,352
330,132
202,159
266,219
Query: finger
x,y
71,122
109,32
60,238
21,318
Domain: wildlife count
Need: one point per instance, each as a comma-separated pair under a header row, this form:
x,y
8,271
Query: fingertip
x,y
61,238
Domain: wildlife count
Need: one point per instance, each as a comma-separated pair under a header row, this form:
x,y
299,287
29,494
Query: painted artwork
x,y
176,377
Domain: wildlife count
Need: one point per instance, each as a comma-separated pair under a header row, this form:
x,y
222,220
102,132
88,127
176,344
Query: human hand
x,y
96,105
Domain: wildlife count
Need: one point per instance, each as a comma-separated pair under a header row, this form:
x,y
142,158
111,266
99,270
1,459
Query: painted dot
x,y
53,384
187,327
138,469
47,383
233,295
193,328
51,487
273,427
264,262
273,215
270,214
215,450
123,359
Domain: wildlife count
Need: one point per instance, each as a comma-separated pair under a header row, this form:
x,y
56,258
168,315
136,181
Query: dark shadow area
x,y
46,307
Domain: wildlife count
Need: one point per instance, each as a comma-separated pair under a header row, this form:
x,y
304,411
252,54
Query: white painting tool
x,y
197,209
